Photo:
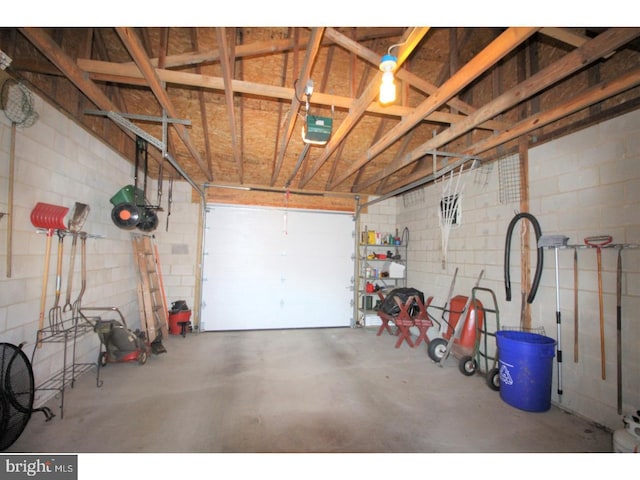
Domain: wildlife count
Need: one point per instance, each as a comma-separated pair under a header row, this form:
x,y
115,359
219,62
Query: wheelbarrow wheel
x,y
125,216
437,348
493,379
467,366
142,357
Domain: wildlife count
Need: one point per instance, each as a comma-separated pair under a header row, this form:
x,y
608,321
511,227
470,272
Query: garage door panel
x,y
290,271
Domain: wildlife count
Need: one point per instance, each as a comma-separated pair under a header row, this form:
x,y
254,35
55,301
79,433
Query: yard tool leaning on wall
x,y
76,222
619,326
598,242
576,315
55,312
555,242
51,218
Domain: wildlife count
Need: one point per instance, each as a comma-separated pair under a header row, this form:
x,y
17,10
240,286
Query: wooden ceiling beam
x,y
597,93
602,45
131,75
305,73
203,106
565,35
134,46
489,56
226,62
593,95
359,106
257,49
403,74
381,122
275,168
69,68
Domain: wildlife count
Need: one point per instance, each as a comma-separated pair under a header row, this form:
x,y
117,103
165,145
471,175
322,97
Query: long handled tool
x,y
12,153
443,324
598,242
49,217
55,313
619,326
556,241
576,315
74,244
79,216
459,326
77,304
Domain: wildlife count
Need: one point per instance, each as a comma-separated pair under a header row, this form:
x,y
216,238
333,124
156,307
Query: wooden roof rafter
x,y
501,46
577,59
134,46
411,38
302,79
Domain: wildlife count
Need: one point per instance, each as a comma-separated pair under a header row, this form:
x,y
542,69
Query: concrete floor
x,y
287,391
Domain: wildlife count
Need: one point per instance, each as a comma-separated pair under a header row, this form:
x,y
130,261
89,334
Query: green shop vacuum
x,y
131,210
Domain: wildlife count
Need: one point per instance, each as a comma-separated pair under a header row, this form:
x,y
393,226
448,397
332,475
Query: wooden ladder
x,y
153,313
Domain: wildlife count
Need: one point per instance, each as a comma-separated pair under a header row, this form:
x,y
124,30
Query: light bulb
x,y
387,88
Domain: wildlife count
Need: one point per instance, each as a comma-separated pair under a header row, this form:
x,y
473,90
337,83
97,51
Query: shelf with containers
x,y
381,265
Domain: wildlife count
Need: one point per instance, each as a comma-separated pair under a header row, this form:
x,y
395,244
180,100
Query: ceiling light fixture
x,y
388,64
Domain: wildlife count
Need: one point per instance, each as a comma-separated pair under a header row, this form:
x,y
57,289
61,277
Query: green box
x,y
127,195
318,129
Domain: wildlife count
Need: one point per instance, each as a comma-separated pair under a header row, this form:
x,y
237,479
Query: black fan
x,y
16,394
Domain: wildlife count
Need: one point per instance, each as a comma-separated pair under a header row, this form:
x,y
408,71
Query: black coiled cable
x,y
507,256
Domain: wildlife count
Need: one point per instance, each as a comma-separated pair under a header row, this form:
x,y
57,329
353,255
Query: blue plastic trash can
x,y
525,360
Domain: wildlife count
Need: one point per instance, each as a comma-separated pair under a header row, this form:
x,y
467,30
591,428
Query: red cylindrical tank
x,y
473,323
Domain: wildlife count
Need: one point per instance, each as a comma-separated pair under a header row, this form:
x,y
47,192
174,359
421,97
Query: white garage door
x,y
269,268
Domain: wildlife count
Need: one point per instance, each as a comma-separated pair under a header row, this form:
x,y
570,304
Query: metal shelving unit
x,y
67,334
372,270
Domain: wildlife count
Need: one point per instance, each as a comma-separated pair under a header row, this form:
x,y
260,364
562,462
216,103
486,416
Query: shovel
x,y
49,217
80,213
55,313
78,302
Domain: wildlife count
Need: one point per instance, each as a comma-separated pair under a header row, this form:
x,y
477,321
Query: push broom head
x,y
552,241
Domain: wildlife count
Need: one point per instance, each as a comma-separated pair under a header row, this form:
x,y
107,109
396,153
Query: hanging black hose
x,y
405,236
507,256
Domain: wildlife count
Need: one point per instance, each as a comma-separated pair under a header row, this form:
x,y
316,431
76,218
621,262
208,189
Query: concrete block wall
x,y
587,185
582,185
58,162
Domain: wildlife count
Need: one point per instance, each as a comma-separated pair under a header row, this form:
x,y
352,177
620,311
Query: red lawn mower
x,y
117,343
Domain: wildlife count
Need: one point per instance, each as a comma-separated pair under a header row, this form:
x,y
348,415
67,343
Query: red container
x,y
175,319
472,323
